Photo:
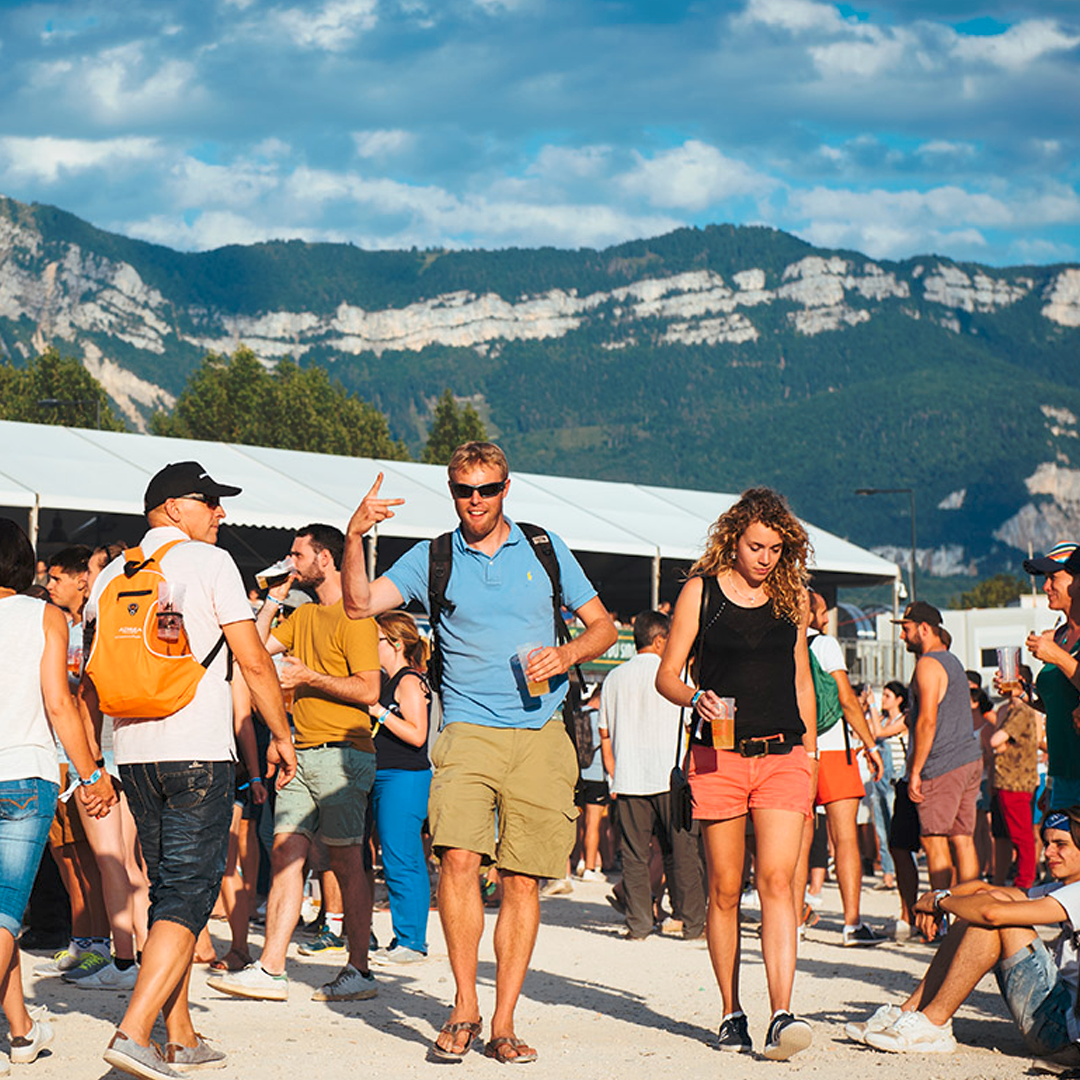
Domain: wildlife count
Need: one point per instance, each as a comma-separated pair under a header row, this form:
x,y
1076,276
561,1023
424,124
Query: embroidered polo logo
x,y
133,609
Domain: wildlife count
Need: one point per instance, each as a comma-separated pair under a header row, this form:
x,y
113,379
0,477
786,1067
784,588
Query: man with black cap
x,y
177,770
1058,682
944,755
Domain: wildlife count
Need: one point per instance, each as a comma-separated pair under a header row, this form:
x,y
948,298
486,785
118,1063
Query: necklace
x,y
752,600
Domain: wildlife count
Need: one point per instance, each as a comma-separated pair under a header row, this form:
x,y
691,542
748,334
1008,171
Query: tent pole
x,y
654,590
35,512
373,553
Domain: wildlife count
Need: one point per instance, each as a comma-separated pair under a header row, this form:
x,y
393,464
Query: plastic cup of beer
x,y
524,652
170,611
1008,657
723,727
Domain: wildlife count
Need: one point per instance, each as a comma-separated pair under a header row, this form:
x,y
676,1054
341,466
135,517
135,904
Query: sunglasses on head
x,y
213,501
487,491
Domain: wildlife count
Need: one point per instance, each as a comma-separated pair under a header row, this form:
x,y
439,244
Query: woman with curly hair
x,y
742,617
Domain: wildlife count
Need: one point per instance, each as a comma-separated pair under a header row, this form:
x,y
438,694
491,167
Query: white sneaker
x,y
903,931
913,1033
26,1049
580,868
88,963
592,875
397,955
557,887
110,977
62,961
252,982
348,985
882,1017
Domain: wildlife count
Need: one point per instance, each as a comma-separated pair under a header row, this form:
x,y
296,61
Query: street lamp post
x,y
910,492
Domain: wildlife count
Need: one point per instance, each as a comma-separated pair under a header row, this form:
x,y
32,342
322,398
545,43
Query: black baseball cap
x,y
919,611
183,478
1063,556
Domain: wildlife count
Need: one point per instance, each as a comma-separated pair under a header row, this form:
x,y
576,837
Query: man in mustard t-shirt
x,y
332,667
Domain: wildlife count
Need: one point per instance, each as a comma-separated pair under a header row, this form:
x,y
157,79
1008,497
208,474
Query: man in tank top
x,y
944,757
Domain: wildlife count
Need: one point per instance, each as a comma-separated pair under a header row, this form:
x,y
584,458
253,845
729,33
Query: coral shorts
x,y
727,785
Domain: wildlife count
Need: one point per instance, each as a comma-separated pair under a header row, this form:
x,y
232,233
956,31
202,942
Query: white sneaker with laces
x,y
252,981
882,1017
913,1033
593,875
62,961
349,985
26,1049
110,977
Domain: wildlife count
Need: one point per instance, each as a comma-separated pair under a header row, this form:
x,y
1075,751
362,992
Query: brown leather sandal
x,y
452,1053
233,960
501,1049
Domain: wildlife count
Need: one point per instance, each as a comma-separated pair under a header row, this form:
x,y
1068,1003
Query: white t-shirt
x,y
830,656
642,725
214,597
1065,946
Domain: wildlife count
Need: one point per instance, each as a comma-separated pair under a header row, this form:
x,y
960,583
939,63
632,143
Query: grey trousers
x,y
640,818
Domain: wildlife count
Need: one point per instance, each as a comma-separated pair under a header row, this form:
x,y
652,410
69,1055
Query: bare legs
x,y
11,992
163,986
842,815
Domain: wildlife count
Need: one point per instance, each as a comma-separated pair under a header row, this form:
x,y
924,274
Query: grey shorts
x,y
328,795
1039,1001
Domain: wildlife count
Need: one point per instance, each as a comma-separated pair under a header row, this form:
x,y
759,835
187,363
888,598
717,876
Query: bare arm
x,y
244,730
364,599
360,688
986,905
598,636
932,682
853,714
412,725
607,754
1043,647
804,680
259,674
264,620
64,716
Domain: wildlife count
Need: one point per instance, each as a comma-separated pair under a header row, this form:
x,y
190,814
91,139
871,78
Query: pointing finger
x,y
375,487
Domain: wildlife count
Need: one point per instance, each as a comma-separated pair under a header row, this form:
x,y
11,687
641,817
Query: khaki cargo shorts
x,y
507,794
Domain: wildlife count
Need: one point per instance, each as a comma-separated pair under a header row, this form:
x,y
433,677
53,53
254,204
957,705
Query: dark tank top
x,y
749,654
390,751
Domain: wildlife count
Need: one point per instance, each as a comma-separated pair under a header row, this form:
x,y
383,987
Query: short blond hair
x,y
469,455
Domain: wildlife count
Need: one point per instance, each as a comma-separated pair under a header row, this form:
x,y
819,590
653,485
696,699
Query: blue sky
x,y
894,128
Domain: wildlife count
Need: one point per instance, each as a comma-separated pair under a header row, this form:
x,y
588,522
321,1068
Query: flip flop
x,y
496,1049
231,961
442,1053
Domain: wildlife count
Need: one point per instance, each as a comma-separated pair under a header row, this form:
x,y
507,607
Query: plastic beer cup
x,y
535,689
1008,657
723,727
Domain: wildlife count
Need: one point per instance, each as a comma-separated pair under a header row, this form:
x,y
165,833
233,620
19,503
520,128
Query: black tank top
x,y
749,654
390,751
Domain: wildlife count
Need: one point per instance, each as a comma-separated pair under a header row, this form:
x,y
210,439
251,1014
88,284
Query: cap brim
x,y
221,490
1043,566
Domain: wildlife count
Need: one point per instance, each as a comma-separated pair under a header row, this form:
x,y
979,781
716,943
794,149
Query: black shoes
x,y
734,1035
787,1036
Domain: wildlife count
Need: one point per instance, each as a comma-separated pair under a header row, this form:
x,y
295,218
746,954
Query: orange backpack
x,y
136,674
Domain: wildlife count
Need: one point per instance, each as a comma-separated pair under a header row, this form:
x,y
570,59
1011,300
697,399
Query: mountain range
x,y
714,358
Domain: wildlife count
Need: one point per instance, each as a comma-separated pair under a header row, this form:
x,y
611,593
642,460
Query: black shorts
x,y
592,793
819,846
904,830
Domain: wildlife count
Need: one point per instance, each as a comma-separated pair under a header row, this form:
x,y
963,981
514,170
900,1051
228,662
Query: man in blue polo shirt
x,y
503,749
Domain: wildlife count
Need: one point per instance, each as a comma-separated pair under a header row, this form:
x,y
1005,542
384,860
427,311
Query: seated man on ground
x,y
995,931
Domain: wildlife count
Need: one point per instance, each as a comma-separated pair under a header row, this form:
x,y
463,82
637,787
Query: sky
x,y
893,128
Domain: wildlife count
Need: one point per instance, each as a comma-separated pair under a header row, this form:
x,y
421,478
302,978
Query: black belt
x,y
769,744
324,745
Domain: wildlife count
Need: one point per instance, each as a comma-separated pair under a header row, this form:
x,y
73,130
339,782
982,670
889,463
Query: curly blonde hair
x,y
789,577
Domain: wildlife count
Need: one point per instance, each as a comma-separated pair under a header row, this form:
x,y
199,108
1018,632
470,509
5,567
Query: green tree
x,y
997,591
237,399
450,427
55,389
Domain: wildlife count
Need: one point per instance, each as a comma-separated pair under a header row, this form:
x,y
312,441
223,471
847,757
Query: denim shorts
x,y
1038,999
328,795
183,810
26,812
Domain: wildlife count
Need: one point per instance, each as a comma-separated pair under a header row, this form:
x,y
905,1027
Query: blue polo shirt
x,y
501,601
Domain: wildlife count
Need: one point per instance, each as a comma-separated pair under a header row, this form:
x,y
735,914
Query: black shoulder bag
x,y
682,798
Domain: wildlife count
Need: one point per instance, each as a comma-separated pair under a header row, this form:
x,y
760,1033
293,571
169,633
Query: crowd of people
x,y
165,726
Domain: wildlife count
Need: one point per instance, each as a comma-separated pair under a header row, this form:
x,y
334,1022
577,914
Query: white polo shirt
x,y
214,597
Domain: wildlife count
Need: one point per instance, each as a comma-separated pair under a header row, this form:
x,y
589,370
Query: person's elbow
x,y
608,633
356,607
367,687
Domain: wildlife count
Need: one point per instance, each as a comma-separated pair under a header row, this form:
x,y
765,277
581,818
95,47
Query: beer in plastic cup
x,y
723,727
535,689
170,611
1008,657
276,574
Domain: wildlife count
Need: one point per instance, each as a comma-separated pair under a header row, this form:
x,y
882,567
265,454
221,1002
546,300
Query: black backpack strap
x,y
440,563
211,656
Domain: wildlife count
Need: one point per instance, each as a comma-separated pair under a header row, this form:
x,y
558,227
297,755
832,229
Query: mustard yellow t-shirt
x,y
325,639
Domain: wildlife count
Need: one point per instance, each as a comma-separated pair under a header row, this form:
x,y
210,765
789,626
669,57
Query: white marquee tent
x,y
56,468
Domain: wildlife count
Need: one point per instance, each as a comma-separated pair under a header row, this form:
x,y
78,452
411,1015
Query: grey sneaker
x,y
252,981
146,1061
62,961
88,963
397,955
199,1056
110,977
27,1047
350,985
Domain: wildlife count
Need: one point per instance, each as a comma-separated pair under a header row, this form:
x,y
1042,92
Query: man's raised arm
x,y
362,598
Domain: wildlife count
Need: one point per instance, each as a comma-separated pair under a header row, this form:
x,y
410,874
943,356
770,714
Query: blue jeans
x,y
183,810
1039,1001
399,805
879,794
26,812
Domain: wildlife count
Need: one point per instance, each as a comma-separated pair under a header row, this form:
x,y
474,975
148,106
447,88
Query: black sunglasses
x,y
213,501
487,491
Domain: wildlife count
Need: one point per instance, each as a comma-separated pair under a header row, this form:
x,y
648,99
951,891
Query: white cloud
x,y
861,59
45,159
381,143
333,27
212,229
942,148
568,162
797,16
692,177
1017,46
195,184
271,148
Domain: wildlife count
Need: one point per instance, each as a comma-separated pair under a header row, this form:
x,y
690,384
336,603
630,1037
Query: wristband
x,y
92,779
696,698
939,895
275,600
